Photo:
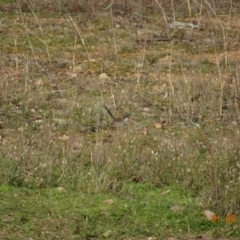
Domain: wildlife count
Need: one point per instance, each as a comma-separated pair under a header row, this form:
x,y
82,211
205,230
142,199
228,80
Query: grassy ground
x,y
65,173
139,210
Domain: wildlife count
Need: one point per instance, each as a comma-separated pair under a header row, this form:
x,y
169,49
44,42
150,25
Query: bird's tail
x,y
109,112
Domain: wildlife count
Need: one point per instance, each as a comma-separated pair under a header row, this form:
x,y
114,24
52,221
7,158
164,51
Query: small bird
x,y
117,122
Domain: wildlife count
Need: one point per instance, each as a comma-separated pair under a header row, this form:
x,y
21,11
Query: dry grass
x,y
54,128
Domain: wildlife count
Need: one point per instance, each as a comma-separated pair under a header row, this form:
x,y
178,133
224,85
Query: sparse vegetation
x,y
65,173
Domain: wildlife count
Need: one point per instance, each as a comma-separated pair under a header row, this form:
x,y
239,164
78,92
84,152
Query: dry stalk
x,y
225,43
189,8
43,40
139,71
15,50
173,13
225,31
80,35
221,89
113,99
114,36
213,172
27,32
170,70
163,12
27,73
236,98
73,57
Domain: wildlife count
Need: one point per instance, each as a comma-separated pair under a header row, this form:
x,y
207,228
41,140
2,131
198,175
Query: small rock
x,y
64,137
78,68
61,189
103,77
177,208
158,125
139,65
209,215
108,202
59,120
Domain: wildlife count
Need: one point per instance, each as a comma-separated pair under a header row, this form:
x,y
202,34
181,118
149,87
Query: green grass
x,y
140,210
